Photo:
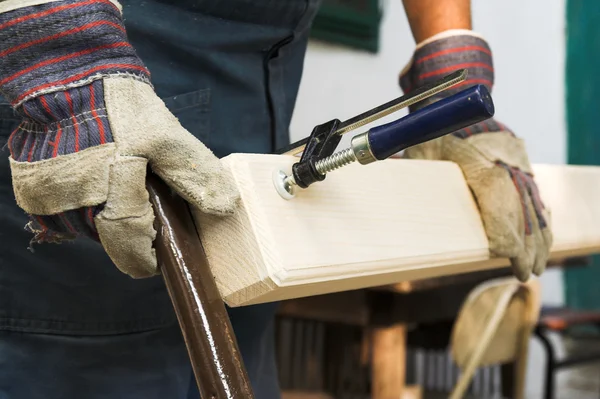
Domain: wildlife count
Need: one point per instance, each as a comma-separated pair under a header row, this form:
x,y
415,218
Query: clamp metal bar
x,y
420,94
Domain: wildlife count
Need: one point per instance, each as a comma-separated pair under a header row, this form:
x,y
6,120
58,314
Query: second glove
x,y
493,160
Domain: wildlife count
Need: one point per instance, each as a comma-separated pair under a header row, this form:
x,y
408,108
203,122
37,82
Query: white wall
x,y
527,40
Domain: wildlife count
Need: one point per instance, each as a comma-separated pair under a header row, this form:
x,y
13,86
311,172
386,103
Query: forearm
x,y
430,17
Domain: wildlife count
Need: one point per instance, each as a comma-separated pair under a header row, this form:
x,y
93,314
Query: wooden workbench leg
x,y
389,361
507,371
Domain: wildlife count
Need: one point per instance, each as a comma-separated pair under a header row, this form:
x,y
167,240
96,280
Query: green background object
x,y
582,285
352,23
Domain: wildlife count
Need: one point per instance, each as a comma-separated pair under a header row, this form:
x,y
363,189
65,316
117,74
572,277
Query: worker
x,y
96,91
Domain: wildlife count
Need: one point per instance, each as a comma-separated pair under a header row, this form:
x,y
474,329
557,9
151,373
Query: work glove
x,y
493,160
92,124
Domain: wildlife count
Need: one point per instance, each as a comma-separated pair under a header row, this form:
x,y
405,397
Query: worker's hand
x,y
92,124
493,160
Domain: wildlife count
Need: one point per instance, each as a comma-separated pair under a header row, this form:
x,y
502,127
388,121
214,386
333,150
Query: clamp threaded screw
x,y
335,161
359,151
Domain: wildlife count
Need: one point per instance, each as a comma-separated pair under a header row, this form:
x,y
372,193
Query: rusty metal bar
x,y
207,331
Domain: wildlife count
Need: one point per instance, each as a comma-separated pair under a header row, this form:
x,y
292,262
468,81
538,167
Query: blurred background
x,y
547,90
345,75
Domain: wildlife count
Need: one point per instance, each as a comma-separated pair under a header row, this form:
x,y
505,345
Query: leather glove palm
x,y
493,160
92,124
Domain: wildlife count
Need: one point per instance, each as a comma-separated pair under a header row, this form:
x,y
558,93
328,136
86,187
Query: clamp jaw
x,y
445,116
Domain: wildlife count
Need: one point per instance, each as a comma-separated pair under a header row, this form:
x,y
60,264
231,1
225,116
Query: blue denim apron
x,y
73,326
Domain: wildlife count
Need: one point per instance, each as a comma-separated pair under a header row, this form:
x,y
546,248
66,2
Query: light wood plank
x,y
364,226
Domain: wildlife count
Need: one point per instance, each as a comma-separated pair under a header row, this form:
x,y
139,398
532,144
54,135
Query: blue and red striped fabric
x,y
65,225
60,45
525,185
446,55
61,123
52,59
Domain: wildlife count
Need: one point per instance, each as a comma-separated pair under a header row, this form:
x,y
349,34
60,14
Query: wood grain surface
x,y
384,223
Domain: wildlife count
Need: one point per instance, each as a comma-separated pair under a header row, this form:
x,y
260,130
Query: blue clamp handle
x,y
445,116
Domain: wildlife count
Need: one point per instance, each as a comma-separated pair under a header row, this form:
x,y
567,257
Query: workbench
x,y
389,319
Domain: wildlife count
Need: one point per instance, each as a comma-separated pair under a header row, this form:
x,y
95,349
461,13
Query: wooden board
x,y
387,222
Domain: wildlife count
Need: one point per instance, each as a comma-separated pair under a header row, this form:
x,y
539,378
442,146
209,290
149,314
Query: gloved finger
x,y
493,188
523,263
144,126
537,251
544,250
429,150
519,265
192,170
534,255
541,256
542,228
500,206
125,225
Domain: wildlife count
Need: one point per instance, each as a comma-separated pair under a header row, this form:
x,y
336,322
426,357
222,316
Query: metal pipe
x,y
205,324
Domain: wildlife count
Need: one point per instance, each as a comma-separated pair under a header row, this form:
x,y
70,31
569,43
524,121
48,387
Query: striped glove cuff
x,y
448,52
443,54
58,45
